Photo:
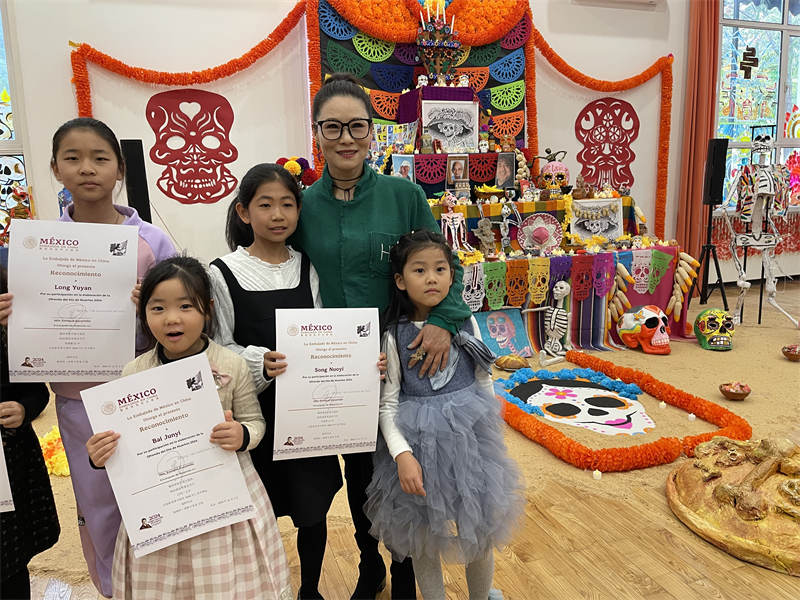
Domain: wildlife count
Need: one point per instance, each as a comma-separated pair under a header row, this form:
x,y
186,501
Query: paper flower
x,y
53,451
293,168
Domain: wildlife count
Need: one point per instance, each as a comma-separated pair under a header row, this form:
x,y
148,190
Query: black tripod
x,y
709,251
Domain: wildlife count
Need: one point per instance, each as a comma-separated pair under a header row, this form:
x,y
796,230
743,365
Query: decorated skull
x,y
483,146
586,404
714,329
463,80
645,326
555,175
501,329
473,292
606,127
192,130
422,81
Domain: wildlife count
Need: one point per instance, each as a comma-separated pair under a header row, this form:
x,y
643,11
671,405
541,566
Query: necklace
x,y
347,191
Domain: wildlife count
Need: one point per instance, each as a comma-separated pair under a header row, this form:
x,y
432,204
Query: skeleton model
x,y
557,324
759,210
454,227
505,224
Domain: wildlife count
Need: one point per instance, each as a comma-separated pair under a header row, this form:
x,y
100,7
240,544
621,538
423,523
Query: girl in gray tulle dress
x,y
444,487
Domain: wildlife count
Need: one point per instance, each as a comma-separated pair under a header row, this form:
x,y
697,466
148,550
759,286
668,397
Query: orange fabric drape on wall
x,y
698,122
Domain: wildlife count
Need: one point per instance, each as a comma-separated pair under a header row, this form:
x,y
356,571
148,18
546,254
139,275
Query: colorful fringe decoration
x,y
53,451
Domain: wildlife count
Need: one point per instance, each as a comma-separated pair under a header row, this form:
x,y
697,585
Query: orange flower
x,y
662,451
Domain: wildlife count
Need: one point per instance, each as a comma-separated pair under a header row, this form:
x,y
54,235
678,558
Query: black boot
x,y
403,585
371,581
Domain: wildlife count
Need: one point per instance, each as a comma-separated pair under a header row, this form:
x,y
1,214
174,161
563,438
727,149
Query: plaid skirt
x,y
244,560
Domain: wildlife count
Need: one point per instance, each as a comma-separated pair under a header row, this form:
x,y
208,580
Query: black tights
x,y
16,587
311,542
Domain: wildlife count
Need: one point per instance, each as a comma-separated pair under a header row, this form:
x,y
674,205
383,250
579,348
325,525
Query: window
x,y
759,80
12,159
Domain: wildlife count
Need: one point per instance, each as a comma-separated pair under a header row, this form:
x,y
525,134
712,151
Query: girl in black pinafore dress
x,y
260,275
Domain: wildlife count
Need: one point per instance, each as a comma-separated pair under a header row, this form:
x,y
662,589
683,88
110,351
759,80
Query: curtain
x,y
698,121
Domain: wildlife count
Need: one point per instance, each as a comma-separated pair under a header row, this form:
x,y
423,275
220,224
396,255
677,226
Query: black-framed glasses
x,y
331,129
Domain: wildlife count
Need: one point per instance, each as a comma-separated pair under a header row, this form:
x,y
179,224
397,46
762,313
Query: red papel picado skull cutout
x,y
645,326
193,142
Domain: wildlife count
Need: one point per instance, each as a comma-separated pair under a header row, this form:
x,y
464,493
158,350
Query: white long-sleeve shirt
x,y
390,390
254,275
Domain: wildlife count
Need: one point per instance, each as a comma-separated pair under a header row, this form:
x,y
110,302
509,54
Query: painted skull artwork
x,y
607,127
192,129
645,326
555,175
504,332
714,329
454,124
586,404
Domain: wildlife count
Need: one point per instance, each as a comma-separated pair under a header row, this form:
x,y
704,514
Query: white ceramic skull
x,y
561,290
483,146
422,81
640,270
585,404
645,326
463,80
474,291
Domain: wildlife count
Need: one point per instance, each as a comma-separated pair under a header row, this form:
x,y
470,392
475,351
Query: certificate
x,y
326,402
6,501
171,483
73,318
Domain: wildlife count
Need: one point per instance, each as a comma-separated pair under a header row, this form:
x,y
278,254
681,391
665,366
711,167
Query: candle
x,y
421,19
691,417
662,404
453,25
428,9
597,474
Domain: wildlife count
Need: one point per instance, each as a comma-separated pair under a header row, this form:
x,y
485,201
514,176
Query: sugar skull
x,y
585,404
473,292
192,130
422,81
463,80
555,175
606,127
645,326
483,145
714,329
640,270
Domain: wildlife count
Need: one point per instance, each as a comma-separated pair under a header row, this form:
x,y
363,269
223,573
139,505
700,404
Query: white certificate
x,y
73,319
327,400
171,483
6,501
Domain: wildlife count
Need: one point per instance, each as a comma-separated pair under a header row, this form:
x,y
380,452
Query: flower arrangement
x,y
53,451
300,169
662,451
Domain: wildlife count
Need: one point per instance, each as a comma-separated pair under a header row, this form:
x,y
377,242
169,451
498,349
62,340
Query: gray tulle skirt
x,y
473,488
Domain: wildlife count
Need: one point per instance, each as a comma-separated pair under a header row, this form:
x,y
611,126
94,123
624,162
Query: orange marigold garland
x,y
314,71
662,451
86,53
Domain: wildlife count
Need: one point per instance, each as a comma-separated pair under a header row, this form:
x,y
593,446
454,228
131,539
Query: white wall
x,y
607,41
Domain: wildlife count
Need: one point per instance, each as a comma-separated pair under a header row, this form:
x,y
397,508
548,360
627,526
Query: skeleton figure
x,y
505,224
485,235
759,209
557,324
453,225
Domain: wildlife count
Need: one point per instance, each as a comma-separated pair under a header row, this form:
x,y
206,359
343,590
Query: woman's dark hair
x,y
339,84
400,305
195,280
98,127
239,233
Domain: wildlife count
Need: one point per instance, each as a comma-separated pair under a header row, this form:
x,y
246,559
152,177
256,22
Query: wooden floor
x,y
575,546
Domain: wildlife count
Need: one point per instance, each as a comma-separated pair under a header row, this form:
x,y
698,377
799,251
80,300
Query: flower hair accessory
x,y
299,167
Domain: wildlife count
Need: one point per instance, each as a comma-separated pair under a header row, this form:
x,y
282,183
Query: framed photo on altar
x,y
458,170
453,123
403,166
600,216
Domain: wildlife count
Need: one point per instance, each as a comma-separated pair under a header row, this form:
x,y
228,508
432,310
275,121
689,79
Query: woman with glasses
x,y
351,218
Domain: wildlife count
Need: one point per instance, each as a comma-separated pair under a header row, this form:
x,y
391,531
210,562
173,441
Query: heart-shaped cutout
x,y
190,109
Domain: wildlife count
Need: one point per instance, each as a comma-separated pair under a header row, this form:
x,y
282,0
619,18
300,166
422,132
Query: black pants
x,y
358,473
16,587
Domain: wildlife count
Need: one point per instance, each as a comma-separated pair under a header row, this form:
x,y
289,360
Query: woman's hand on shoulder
x,y
409,472
435,344
101,446
136,294
228,435
12,414
5,307
274,363
382,363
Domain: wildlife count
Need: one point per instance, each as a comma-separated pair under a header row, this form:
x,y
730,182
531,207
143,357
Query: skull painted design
x,y
473,292
538,278
606,127
555,175
192,129
585,404
714,329
645,326
640,270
